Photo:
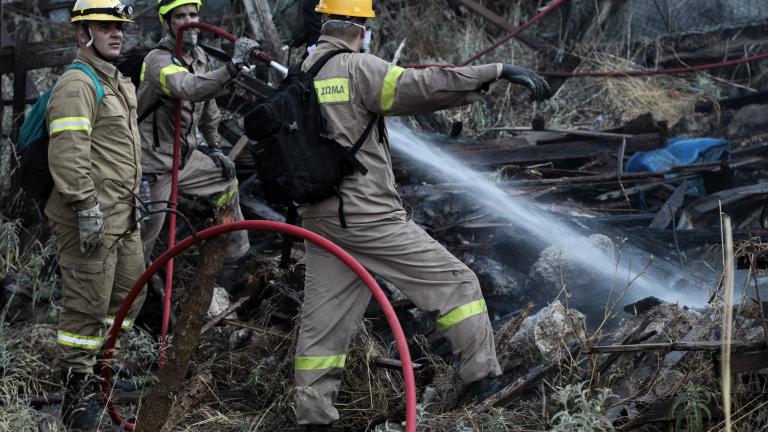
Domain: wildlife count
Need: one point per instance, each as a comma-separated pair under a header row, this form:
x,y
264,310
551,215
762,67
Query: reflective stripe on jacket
x,y
352,88
94,150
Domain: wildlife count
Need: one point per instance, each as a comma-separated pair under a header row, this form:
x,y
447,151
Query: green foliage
x,y
581,412
18,416
690,409
9,245
38,265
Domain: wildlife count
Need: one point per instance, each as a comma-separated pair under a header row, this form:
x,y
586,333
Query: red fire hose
x,y
354,265
175,170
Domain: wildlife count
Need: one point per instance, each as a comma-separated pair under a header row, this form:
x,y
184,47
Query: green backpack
x,y
32,145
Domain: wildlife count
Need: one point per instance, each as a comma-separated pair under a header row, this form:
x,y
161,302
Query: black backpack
x,y
296,161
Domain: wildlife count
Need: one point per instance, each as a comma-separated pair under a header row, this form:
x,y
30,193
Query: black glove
x,y
220,159
536,84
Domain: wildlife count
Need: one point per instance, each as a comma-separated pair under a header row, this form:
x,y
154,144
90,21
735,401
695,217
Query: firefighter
x,y
379,232
93,157
205,171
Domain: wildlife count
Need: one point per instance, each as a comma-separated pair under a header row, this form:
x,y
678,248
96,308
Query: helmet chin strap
x,y
90,43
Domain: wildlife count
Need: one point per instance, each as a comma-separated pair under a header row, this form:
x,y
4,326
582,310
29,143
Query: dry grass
x,y
579,102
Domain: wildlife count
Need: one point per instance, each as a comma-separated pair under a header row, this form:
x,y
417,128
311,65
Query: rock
x,y
238,339
543,337
565,263
220,302
498,280
17,298
748,121
642,306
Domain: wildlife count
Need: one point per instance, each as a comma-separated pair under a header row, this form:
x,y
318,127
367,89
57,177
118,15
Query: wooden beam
x,y
506,153
19,77
39,55
261,26
677,346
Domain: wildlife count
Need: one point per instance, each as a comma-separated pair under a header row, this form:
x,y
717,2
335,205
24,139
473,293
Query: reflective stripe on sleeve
x,y
388,88
320,362
79,341
69,124
169,70
461,313
126,325
332,90
226,197
143,71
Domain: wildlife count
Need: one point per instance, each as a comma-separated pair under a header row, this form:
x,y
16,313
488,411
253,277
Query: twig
x,y
725,353
257,329
220,317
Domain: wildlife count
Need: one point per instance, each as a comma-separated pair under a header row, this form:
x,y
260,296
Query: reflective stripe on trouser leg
x,y
74,340
461,313
401,252
126,325
86,282
334,304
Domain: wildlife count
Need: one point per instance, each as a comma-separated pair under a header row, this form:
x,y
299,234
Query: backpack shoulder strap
x,y
323,60
92,75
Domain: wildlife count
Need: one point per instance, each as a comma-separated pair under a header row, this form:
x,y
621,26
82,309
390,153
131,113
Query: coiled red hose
x,y
346,258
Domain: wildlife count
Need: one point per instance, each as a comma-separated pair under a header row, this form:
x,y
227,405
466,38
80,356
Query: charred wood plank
x,y
260,209
19,77
523,383
733,103
390,363
261,26
736,347
554,152
38,55
749,361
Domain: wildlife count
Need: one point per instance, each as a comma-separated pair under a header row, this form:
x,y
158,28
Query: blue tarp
x,y
679,151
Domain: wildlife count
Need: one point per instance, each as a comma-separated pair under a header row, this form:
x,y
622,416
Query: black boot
x,y
318,428
81,407
480,390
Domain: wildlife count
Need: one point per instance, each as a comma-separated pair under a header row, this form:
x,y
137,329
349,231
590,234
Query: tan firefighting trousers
x,y
335,300
93,287
200,177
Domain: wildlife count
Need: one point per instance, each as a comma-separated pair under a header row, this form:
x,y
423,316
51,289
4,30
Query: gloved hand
x,y
220,159
244,47
517,75
91,225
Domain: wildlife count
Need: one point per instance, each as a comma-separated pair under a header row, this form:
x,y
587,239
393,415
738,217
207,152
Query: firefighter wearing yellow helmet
x,y
355,90
207,172
348,8
94,152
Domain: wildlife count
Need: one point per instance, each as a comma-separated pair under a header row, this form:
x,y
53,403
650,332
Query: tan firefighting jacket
x,y
351,89
165,78
94,150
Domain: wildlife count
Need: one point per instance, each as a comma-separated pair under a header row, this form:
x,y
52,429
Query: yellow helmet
x,y
350,8
165,6
101,10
